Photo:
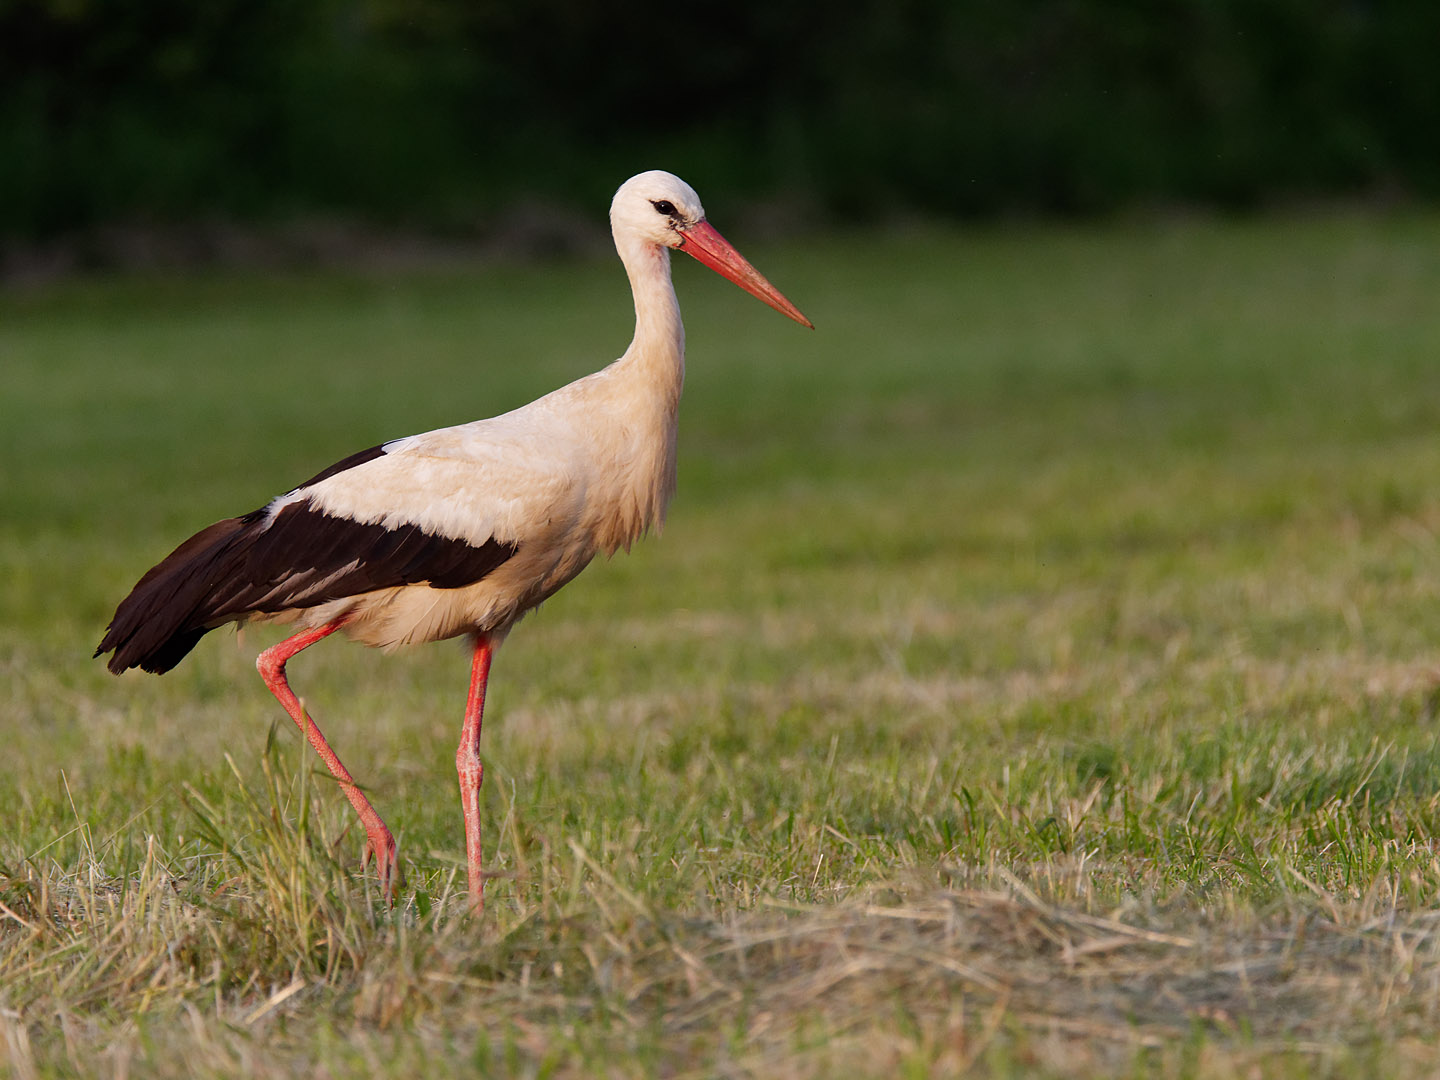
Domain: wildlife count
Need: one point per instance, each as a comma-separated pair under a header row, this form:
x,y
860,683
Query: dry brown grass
x,y
915,978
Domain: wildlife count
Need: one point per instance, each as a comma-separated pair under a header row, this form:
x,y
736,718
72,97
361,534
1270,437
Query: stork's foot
x,y
380,846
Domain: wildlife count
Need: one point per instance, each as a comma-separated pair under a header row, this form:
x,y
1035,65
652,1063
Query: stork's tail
x,y
157,625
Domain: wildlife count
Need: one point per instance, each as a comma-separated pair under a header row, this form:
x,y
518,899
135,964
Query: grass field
x,y
1038,676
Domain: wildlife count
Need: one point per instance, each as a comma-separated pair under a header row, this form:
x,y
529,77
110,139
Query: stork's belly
x,y
414,614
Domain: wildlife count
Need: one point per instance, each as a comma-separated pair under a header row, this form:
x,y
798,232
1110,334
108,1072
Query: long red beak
x,y
702,241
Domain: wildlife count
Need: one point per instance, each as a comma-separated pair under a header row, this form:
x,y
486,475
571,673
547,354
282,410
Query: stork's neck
x,y
643,386
657,353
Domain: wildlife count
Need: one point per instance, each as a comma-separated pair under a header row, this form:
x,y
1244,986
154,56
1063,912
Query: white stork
x,y
460,530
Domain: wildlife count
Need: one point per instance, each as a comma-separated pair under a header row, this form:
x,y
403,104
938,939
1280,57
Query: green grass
x,y
1037,676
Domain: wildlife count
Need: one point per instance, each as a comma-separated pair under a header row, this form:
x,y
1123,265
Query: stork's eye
x,y
664,206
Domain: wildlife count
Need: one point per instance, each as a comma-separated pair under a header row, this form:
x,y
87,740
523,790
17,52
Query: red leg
x,y
472,773
379,845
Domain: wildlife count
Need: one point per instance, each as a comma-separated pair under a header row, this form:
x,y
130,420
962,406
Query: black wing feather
x,y
360,457
262,563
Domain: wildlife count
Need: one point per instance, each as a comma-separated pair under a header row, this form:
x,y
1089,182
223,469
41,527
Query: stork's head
x,y
656,205
661,209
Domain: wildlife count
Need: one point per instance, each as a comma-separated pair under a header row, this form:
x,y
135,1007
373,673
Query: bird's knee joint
x,y
469,767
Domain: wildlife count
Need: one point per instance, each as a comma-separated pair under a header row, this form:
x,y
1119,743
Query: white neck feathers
x,y
647,382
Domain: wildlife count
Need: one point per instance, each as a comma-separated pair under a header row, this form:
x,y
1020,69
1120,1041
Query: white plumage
x,y
460,530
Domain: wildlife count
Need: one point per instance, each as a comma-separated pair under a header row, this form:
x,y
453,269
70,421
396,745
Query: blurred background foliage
x,y
436,113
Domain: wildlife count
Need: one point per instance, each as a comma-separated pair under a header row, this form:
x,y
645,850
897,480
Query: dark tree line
x,y
428,112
